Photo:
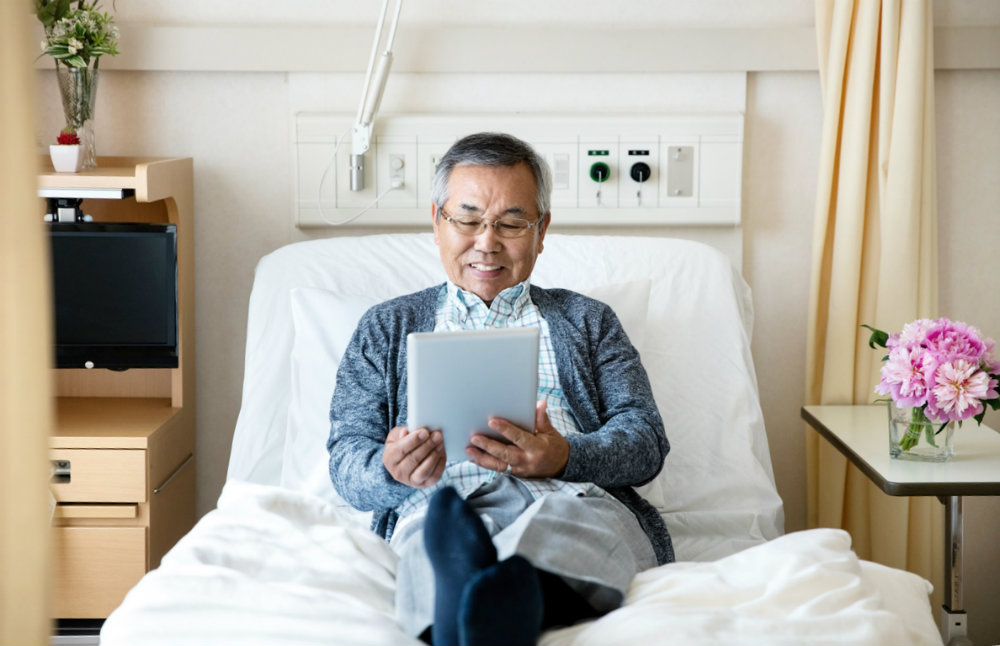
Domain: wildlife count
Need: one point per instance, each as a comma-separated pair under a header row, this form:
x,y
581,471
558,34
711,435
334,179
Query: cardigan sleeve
x,y
623,442
362,412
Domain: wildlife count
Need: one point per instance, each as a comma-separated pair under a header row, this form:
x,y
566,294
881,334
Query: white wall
x,y
236,125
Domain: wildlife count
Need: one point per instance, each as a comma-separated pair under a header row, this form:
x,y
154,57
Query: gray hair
x,y
493,149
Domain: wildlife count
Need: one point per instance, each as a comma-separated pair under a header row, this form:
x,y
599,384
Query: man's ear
x,y
434,222
542,228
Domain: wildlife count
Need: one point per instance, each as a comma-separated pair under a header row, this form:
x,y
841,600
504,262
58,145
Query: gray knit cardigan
x,y
622,444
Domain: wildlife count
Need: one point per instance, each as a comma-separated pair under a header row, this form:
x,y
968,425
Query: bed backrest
x,y
684,306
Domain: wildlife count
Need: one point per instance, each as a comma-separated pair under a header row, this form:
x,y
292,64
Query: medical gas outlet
x,y
600,172
639,172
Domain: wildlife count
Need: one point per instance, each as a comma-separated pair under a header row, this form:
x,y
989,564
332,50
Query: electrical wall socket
x,y
395,157
561,158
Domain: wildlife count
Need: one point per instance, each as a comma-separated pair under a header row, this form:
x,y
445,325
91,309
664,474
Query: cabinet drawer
x,y
95,567
99,475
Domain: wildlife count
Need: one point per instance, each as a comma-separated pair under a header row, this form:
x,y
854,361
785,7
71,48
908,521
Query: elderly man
x,y
512,538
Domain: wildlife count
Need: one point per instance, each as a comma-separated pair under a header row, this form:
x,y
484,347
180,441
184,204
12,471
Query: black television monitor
x,y
115,289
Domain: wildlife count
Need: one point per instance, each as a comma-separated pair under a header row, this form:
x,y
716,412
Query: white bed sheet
x,y
272,566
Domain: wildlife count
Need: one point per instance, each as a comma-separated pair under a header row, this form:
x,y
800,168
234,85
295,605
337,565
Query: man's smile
x,y
479,266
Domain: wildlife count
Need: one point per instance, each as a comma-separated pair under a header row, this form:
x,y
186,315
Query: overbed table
x,y
861,433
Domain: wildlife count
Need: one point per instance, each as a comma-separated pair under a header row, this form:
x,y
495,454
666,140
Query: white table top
x,y
861,433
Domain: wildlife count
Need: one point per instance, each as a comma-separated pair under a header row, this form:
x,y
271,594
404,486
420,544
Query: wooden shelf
x,y
152,178
110,422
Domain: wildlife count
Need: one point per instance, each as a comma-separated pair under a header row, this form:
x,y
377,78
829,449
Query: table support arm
x,y
954,622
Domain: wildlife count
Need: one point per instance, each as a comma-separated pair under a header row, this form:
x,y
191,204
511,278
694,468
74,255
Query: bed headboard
x,y
684,306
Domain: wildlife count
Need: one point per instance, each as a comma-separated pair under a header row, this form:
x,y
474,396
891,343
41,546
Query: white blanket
x,y
271,566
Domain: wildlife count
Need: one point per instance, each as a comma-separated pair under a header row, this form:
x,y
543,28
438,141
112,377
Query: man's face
x,y
486,264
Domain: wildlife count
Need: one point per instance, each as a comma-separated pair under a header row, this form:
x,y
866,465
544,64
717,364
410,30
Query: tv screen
x,y
115,288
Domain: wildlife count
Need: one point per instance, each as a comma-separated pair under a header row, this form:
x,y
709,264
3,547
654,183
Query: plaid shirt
x,y
458,309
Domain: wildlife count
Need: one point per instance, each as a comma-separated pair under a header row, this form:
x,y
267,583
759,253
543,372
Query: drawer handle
x,y
77,510
176,473
61,471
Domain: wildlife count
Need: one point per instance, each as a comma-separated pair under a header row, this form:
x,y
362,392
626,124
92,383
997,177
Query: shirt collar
x,y
510,302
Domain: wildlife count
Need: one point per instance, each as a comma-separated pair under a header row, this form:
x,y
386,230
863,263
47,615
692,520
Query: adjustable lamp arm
x,y
371,97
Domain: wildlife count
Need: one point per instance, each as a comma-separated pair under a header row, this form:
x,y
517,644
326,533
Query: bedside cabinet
x,y
124,484
123,444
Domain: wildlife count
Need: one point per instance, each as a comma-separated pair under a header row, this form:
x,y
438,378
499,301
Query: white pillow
x,y
630,301
324,322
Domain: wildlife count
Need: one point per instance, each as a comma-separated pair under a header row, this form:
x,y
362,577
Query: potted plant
x,y
65,153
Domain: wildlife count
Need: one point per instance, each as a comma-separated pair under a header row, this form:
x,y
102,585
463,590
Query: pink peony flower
x,y
912,334
905,376
958,390
955,339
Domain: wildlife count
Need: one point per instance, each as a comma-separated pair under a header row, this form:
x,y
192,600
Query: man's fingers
x,y
543,453
415,453
428,471
490,454
541,416
402,445
512,433
406,455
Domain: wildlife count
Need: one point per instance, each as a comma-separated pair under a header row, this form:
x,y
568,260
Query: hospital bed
x,y
283,560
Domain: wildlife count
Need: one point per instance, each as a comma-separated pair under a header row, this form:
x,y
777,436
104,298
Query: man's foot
x,y
564,606
459,548
502,605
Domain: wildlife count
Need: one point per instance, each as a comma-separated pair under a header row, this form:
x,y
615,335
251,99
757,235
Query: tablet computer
x,y
456,381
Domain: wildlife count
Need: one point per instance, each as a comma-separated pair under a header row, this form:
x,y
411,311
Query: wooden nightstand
x,y
125,488
124,442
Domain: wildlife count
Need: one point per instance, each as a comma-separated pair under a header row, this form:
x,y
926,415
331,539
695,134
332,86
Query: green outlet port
x,y
600,172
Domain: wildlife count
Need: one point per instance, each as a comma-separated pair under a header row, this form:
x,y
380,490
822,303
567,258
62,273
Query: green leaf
x,y
51,11
878,337
46,12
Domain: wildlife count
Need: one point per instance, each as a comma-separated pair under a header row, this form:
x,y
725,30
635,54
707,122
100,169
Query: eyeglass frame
x,y
450,219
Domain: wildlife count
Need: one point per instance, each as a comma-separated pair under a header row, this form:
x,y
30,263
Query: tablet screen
x,y
456,381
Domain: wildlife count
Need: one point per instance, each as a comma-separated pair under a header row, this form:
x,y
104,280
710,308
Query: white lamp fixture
x,y
375,80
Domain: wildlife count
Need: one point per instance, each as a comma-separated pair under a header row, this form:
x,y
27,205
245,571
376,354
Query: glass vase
x,y
78,87
914,437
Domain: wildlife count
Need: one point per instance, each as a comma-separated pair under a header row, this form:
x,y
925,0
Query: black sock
x,y
459,547
563,605
502,606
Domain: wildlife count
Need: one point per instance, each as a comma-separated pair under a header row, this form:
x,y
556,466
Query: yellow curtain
x,y
874,254
25,347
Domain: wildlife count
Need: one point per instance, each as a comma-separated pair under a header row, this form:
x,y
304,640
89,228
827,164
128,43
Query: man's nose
x,y
487,238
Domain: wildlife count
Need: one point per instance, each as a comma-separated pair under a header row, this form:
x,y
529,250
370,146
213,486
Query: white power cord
x,y
396,184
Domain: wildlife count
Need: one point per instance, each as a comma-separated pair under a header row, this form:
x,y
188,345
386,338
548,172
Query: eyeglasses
x,y
470,225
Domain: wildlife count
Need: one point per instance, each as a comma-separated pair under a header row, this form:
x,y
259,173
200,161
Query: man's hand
x,y
416,459
542,454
